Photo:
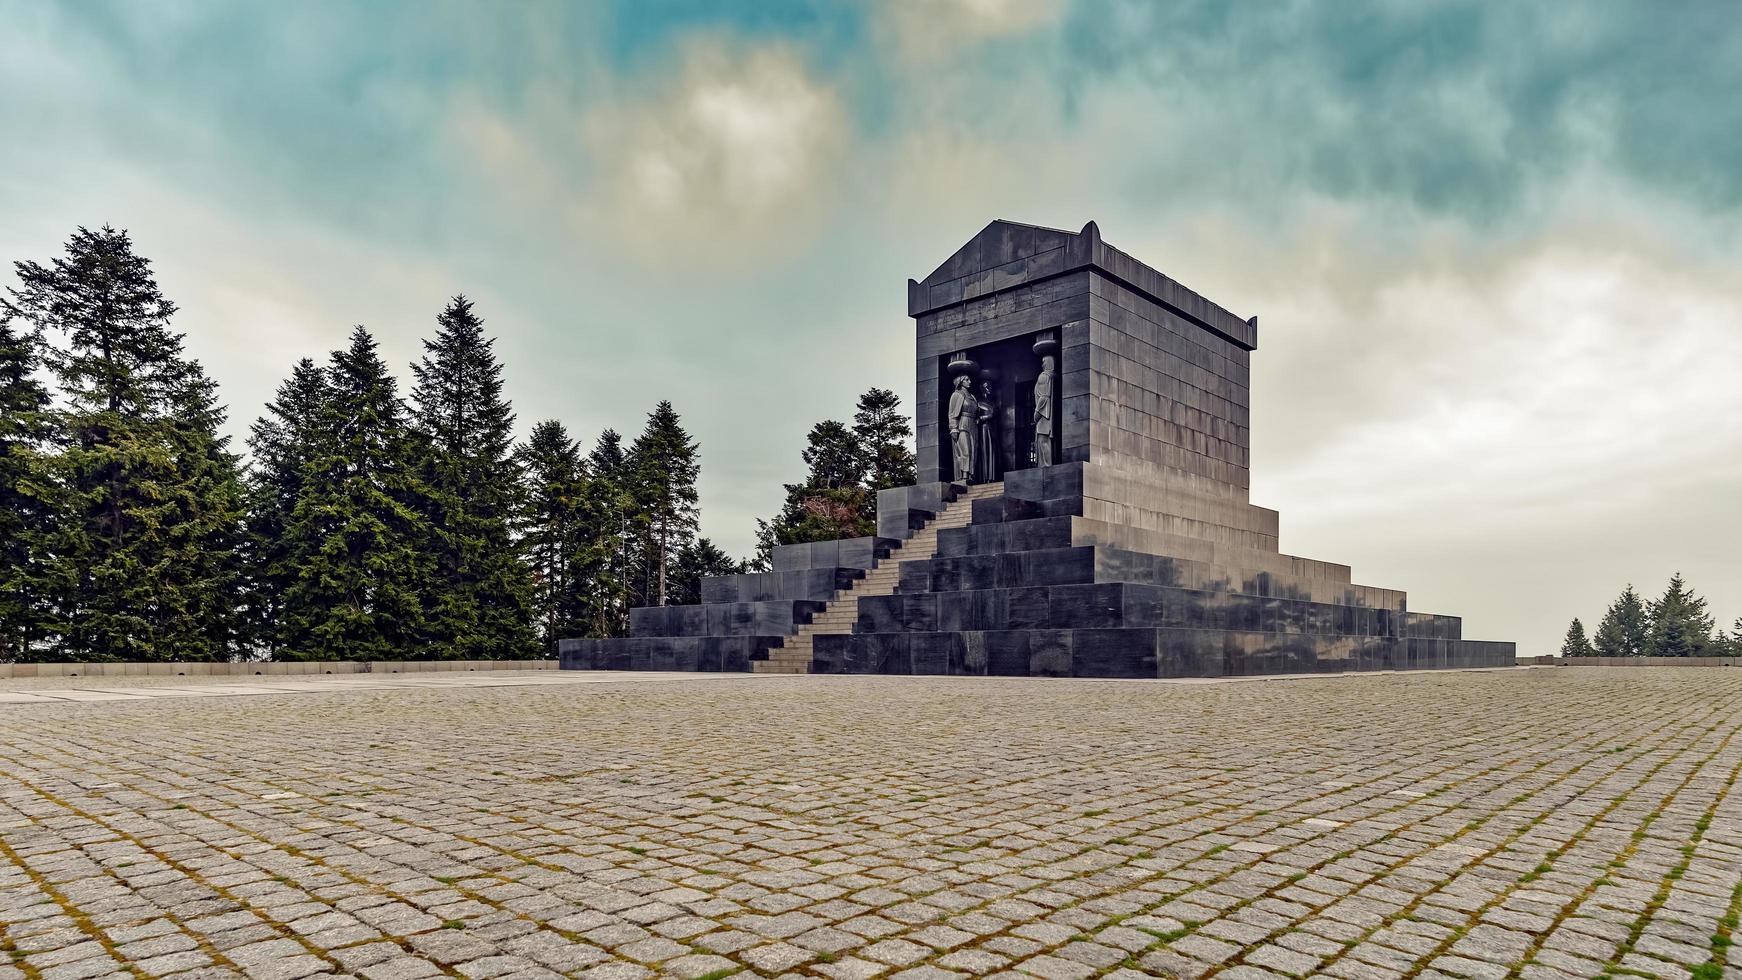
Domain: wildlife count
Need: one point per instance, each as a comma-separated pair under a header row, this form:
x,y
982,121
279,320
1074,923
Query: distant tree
x,y
845,469
26,515
142,562
696,561
481,609
1721,644
360,592
283,445
1733,642
552,529
1576,645
1680,625
663,467
883,434
1622,631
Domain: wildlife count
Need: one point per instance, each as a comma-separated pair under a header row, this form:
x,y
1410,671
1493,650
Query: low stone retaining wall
x,y
266,669
1631,661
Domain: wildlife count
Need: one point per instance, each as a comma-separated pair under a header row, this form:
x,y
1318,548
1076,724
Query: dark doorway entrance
x,y
1011,366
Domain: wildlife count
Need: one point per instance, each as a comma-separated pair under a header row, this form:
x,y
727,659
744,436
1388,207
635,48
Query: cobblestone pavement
x,y
39,690
1539,823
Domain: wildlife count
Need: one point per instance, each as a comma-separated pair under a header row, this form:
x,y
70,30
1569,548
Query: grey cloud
x,y
1458,107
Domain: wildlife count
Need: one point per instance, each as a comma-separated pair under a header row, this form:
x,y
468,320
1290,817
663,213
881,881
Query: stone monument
x,y
1115,540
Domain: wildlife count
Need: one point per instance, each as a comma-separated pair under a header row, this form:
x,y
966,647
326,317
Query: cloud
x,y
1454,106
732,156
927,31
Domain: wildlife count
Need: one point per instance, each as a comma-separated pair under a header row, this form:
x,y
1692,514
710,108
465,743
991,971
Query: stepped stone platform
x,y
1093,522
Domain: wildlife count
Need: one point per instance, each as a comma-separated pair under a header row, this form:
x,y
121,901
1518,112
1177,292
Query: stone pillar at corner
x,y
1135,553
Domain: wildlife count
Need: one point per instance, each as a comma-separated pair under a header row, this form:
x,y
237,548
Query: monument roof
x,y
1006,254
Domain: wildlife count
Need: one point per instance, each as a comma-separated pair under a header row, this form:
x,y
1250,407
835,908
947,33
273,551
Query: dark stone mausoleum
x,y
1082,426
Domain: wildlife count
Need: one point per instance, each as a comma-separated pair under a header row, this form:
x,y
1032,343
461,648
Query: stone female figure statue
x,y
987,470
963,418
1043,414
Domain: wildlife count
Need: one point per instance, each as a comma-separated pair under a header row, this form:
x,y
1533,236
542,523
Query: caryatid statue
x,y
988,455
1044,410
963,416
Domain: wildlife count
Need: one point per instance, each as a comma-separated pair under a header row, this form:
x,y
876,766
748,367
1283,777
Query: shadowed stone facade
x,y
1136,554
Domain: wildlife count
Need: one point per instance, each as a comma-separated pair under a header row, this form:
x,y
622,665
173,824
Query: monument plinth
x,y
1082,426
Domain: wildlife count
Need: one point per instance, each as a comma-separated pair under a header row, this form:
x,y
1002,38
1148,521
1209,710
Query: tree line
x,y
366,524
1676,624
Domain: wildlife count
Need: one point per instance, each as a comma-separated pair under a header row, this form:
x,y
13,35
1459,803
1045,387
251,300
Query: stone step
x,y
838,616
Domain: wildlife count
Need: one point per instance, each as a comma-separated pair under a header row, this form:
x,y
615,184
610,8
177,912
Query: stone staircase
x,y
843,610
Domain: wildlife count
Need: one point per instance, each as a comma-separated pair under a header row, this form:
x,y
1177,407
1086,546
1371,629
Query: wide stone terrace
x,y
1534,822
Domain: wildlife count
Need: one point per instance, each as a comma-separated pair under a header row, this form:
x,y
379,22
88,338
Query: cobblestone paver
x,y
1543,824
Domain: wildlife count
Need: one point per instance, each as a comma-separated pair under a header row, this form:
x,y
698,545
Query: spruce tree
x,y
360,591
1575,645
663,465
1680,625
883,434
1622,631
1733,643
25,514
142,562
605,556
481,609
283,445
552,530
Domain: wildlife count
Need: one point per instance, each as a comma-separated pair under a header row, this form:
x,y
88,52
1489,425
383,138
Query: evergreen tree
x,y
1722,644
283,444
663,465
1575,645
1622,632
142,563
481,609
605,557
1733,643
1680,625
883,434
697,560
25,514
835,456
846,468
553,531
359,594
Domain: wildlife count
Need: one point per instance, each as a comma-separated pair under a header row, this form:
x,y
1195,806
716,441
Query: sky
x,y
1494,247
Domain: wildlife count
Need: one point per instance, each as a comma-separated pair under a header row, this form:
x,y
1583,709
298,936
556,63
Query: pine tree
x,y
25,514
1575,645
360,592
883,434
663,465
552,529
696,561
283,445
141,564
482,607
1622,632
1680,625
